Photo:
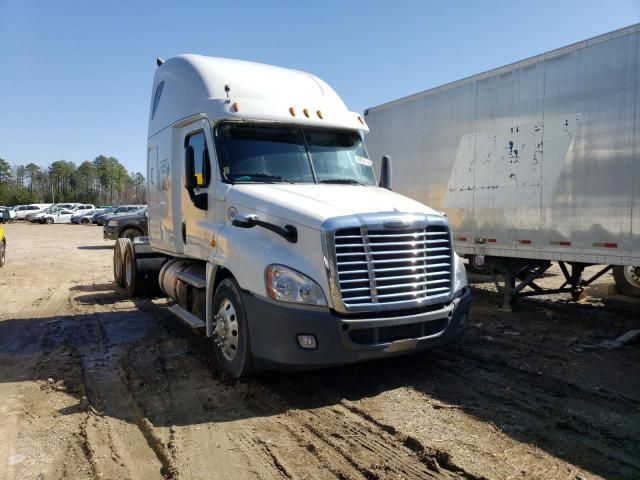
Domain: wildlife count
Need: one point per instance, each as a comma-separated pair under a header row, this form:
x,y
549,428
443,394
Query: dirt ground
x,y
94,385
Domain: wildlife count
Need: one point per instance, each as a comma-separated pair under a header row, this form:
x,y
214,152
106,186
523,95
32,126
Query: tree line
x,y
101,181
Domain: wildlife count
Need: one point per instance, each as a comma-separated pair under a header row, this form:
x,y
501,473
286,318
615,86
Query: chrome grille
x,y
388,267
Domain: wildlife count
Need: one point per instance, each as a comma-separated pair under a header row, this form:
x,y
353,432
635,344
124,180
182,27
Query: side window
x,y
201,164
156,99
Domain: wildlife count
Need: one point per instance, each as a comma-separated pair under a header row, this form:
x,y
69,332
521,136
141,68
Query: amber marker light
x,y
306,112
235,107
319,113
292,111
212,242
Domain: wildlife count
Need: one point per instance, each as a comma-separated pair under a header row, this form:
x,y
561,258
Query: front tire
x,y
627,279
231,334
48,221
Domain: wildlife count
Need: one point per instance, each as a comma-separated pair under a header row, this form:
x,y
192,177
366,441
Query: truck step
x,y
186,317
193,280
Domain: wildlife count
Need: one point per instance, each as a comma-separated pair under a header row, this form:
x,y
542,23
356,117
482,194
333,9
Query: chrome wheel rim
x,y
632,275
226,330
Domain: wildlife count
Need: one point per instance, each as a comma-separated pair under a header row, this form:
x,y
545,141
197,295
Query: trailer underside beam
x,y
519,274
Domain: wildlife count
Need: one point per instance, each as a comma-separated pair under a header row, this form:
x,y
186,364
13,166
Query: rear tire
x,y
627,279
134,282
231,334
2,254
118,261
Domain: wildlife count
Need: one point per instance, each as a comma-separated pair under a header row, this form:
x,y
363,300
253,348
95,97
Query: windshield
x,y
274,153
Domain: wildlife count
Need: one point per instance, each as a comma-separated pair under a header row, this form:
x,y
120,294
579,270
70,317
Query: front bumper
x,y
274,328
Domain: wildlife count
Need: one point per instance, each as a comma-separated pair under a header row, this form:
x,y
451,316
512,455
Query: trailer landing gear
x,y
520,273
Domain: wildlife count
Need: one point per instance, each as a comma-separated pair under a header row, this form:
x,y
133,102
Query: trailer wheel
x,y
118,261
627,279
231,335
134,282
477,264
2,254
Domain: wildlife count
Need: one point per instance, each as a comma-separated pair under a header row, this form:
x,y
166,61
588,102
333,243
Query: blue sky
x,y
75,76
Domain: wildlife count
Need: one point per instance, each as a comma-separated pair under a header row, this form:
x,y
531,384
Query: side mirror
x,y
385,172
189,168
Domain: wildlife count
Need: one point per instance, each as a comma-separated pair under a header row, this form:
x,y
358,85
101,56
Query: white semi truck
x,y
533,162
267,227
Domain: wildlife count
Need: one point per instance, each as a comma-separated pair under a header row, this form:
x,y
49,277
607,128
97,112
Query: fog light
x,y
463,320
307,341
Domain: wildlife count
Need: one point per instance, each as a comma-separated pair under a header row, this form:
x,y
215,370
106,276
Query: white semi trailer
x,y
267,227
534,162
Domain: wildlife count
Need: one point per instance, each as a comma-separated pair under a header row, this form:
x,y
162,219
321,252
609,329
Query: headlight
x,y
112,223
461,275
287,285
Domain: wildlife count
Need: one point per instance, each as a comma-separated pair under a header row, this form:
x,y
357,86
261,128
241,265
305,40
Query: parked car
x,y
83,206
84,216
12,213
37,216
59,216
23,210
4,218
127,226
103,218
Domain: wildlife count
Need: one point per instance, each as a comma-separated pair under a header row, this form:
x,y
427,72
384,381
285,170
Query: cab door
x,y
197,174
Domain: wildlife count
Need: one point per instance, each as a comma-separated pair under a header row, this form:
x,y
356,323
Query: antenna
x,y
159,61
227,89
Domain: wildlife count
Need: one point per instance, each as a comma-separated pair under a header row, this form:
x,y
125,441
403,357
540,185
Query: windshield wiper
x,y
267,176
346,181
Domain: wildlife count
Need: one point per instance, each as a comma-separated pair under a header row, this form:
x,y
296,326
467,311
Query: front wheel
x,y
48,221
231,334
627,279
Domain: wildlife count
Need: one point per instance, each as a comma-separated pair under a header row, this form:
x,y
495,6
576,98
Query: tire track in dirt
x,y
557,413
114,438
368,448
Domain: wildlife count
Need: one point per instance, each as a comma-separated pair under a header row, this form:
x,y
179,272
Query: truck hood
x,y
311,205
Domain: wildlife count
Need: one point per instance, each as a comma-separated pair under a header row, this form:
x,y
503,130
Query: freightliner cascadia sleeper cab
x,y
267,226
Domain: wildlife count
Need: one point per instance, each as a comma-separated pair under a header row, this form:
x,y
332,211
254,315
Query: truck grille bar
x,y
375,269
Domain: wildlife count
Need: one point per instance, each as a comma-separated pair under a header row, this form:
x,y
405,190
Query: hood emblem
x,y
396,223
